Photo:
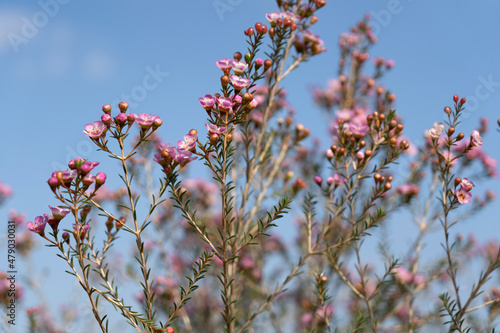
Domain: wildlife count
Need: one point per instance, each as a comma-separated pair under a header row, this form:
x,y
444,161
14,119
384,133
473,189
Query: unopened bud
x,y
123,107
377,177
451,130
213,139
457,181
224,80
460,136
106,108
237,56
387,186
267,64
447,110
455,98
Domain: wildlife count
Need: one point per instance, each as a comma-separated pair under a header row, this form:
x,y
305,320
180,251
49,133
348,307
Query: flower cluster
x,y
463,194
79,173
98,129
52,219
170,157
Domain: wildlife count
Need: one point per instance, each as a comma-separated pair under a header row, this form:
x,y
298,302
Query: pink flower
x,y
189,142
224,64
436,130
214,129
463,196
87,166
207,102
356,128
58,212
183,156
145,120
253,104
273,17
88,179
408,189
289,15
476,139
224,103
239,82
239,67
39,225
95,130
466,184
336,179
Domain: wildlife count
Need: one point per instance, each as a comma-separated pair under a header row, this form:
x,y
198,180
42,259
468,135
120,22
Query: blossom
x,y
145,121
336,179
189,142
466,184
224,64
239,67
207,102
59,212
95,130
273,18
214,129
239,82
88,179
100,178
436,130
476,139
224,103
356,128
463,196
87,166
39,225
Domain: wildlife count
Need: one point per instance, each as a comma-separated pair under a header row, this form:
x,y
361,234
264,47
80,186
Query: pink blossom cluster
x,y
170,157
80,173
408,278
53,219
97,130
463,195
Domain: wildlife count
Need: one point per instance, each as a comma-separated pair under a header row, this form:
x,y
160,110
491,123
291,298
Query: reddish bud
x,y
451,130
460,136
387,186
463,100
457,181
455,98
123,107
106,119
314,19
267,64
368,153
377,177
213,139
224,80
237,56
447,110
193,132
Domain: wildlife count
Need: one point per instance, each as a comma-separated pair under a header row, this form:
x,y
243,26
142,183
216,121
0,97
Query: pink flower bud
x,y
106,108
100,178
106,119
71,165
121,119
157,123
53,182
318,180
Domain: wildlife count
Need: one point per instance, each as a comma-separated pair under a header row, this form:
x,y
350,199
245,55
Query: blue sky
x,y
81,55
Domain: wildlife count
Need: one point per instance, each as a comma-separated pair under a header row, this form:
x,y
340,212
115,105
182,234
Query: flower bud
x,y
455,98
106,119
460,136
106,108
109,224
213,139
65,237
100,178
377,177
368,153
457,181
318,180
193,132
157,123
451,130
267,64
387,186
121,119
123,107
463,100
224,80
447,110
237,56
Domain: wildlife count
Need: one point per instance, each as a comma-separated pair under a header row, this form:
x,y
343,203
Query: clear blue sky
x,y
83,54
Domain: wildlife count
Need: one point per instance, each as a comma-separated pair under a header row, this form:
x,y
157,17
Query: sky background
x,y
81,55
